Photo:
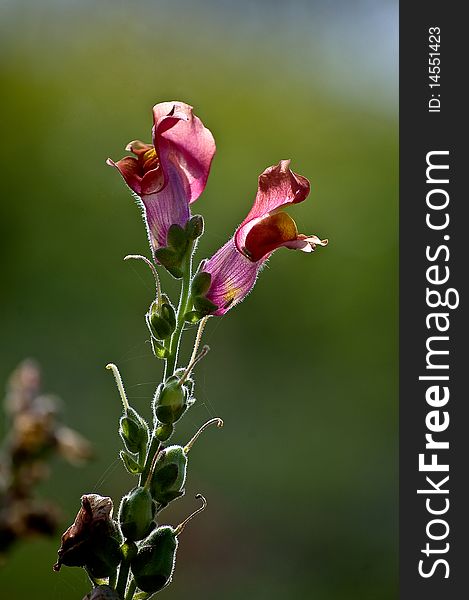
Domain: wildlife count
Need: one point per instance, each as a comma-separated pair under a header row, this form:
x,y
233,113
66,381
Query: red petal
x,y
278,187
268,234
130,171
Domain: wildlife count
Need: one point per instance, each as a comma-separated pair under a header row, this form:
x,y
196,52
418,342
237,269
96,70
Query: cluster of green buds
x,y
148,552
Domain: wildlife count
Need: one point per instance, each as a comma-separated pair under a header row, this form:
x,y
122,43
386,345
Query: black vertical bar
x,y
421,132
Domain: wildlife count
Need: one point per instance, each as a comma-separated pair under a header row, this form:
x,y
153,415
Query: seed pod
x,y
169,473
170,401
136,514
153,566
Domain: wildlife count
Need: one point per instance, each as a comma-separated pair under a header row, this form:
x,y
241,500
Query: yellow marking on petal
x,y
231,294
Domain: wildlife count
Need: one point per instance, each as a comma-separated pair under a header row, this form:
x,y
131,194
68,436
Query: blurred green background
x,y
302,481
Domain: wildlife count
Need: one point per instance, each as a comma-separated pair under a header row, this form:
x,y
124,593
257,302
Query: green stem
x,y
171,361
113,579
170,364
131,589
152,450
123,576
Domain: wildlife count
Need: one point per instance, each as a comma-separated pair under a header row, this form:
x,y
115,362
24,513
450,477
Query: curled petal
x,y
268,234
305,243
93,518
180,137
278,187
130,170
233,277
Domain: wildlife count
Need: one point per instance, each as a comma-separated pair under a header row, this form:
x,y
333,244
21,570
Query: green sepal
x,y
129,550
133,430
167,257
203,305
168,313
158,349
169,475
177,239
193,317
201,283
160,328
195,227
130,464
164,431
176,272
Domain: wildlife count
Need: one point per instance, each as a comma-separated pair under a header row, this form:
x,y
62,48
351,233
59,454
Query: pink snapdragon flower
x,y
171,173
234,268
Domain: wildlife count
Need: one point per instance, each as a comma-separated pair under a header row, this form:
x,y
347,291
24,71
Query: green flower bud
x,y
133,431
164,432
168,313
170,401
136,514
161,320
195,227
153,566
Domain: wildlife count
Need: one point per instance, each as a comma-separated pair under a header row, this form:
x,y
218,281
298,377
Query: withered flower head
x,y
93,541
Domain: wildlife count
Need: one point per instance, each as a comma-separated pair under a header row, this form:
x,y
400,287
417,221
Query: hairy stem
x,y
182,309
131,589
123,576
153,449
